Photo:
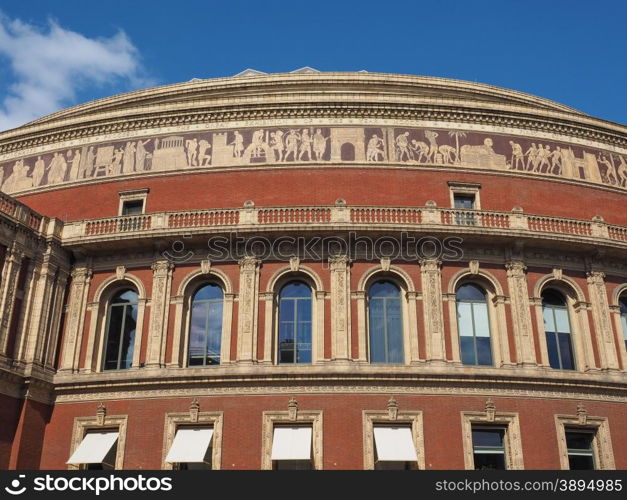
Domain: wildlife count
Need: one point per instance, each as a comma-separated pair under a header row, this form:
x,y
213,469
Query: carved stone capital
x,y
338,262
249,263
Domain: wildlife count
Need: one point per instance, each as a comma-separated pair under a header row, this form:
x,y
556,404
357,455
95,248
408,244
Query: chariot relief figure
x,y
203,157
192,152
420,150
402,147
449,153
319,144
305,145
75,164
544,154
38,171
291,144
610,171
374,149
532,155
129,158
433,145
116,165
238,145
57,169
141,154
518,157
622,172
276,143
556,161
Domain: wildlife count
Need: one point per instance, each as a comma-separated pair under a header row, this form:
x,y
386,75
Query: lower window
x,y
97,451
488,448
191,449
291,448
580,445
394,448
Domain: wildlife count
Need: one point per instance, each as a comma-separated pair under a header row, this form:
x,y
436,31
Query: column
x,y
247,312
340,312
48,355
159,312
430,271
602,321
8,287
521,312
79,288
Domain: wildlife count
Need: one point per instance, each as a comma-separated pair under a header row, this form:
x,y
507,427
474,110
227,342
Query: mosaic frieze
x,y
314,145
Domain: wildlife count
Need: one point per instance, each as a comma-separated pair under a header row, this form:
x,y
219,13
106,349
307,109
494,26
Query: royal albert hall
x,y
314,271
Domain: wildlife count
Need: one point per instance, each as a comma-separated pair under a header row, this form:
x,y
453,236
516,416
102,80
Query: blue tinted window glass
x,y
385,323
551,343
205,333
473,323
295,314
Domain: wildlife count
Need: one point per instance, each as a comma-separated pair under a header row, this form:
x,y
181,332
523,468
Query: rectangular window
x,y
580,449
97,451
191,448
291,448
133,207
464,202
488,448
394,448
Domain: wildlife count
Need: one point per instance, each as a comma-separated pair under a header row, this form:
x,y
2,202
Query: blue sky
x,y
55,54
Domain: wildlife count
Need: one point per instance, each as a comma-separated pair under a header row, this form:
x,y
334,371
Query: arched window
x,y
205,328
473,323
557,327
623,316
121,326
295,323
385,323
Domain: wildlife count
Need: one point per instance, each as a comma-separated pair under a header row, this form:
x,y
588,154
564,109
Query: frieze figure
x,y
319,144
375,148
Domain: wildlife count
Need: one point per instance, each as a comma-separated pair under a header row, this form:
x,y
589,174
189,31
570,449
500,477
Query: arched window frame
x,y
182,316
99,310
620,292
578,316
485,301
276,283
496,315
200,285
279,299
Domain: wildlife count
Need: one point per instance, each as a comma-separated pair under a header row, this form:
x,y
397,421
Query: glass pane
x,y
295,289
208,292
467,346
623,320
214,330
623,305
482,322
394,331
561,320
549,319
488,437
303,347
125,297
551,344
286,310
580,462
464,202
116,315
197,334
489,461
464,319
484,351
566,351
579,440
304,309
128,337
384,289
470,291
377,332
552,297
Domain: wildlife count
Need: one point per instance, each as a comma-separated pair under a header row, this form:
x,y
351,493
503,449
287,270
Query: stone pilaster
x,y
521,312
159,310
430,270
247,312
79,289
602,320
48,354
8,289
340,312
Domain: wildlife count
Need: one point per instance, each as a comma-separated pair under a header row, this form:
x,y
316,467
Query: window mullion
x,y
121,338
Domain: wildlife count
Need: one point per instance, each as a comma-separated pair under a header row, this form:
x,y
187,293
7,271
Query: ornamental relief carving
x,y
196,151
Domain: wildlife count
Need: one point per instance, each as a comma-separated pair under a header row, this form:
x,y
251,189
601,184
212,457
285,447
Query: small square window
x,y
133,207
464,201
580,449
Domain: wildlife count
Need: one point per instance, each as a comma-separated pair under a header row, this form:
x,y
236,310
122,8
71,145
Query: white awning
x,y
291,443
189,446
394,444
94,448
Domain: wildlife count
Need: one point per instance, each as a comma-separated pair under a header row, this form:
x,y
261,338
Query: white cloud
x,y
49,66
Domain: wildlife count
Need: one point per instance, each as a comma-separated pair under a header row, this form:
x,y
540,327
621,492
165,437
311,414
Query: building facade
x,y
314,270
